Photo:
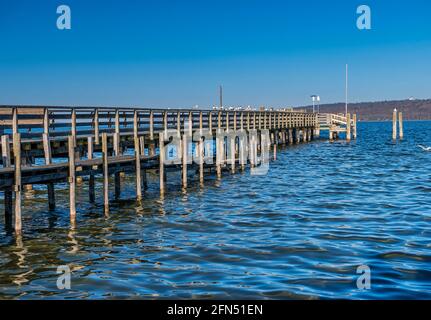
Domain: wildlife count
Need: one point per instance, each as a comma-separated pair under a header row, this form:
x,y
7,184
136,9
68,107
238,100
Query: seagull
x,y
424,148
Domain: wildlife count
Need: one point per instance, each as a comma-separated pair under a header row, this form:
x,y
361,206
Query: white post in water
x,y
400,123
394,125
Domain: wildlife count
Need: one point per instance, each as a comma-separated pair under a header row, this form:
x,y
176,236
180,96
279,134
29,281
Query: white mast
x,y
347,83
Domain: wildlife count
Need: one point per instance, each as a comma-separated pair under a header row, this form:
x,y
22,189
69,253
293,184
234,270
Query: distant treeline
x,y
378,111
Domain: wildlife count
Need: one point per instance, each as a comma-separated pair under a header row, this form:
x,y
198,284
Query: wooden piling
x,y
400,118
233,155
394,125
138,169
117,153
185,151
18,186
5,151
219,156
105,172
91,182
96,127
8,203
162,163
72,178
354,129
48,158
201,160
290,136
252,150
73,126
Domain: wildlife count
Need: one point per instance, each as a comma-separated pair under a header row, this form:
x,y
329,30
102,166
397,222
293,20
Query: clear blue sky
x,y
175,53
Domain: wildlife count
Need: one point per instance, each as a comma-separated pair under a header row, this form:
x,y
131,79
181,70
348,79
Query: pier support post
x,y
394,125
117,152
8,203
48,160
138,169
290,136
91,184
400,117
233,155
18,186
105,172
72,179
242,152
185,151
201,160
219,152
253,150
162,163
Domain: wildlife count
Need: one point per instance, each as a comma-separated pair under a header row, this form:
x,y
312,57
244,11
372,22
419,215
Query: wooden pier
x,y
50,145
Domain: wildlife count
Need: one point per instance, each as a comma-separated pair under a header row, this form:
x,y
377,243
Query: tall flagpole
x,y
347,84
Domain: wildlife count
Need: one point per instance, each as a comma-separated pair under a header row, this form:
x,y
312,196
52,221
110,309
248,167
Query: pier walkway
x,y
50,145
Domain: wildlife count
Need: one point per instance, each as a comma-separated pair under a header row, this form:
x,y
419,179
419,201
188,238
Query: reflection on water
x,y
299,232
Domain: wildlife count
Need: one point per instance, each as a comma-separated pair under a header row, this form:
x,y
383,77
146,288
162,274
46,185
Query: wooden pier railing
x,y
49,145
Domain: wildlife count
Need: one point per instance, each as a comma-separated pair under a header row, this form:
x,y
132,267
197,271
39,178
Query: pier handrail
x,y
59,121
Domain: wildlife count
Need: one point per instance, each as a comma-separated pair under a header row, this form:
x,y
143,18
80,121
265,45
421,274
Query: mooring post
x,y
185,151
90,151
18,186
394,125
400,117
162,163
348,128
72,178
354,130
105,172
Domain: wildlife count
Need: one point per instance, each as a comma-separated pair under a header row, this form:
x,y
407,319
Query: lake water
x,y
300,232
